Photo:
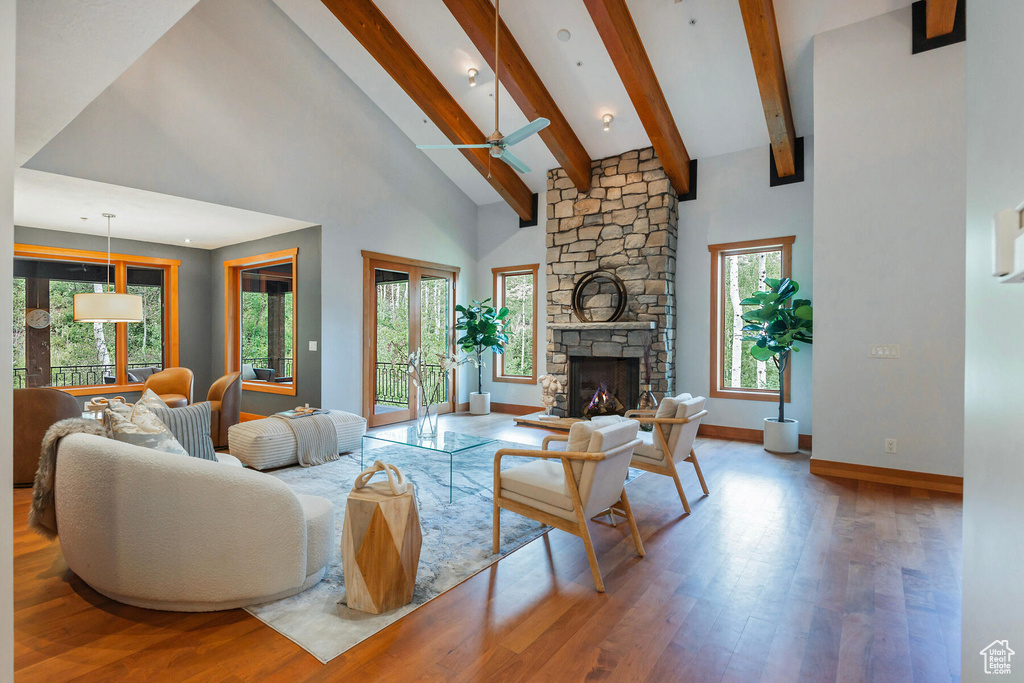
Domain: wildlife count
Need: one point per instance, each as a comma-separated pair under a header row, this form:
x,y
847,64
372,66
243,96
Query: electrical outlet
x,y
890,446
884,351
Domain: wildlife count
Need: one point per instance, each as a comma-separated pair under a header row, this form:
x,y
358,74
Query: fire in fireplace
x,y
603,403
601,385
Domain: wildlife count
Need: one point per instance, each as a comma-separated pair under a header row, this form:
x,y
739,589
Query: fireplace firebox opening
x,y
602,386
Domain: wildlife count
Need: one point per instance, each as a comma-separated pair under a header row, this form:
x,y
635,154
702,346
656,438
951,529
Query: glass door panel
x,y
393,400
435,334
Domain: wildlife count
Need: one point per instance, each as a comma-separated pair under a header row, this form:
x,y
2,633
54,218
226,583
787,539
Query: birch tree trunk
x,y
98,337
762,273
737,323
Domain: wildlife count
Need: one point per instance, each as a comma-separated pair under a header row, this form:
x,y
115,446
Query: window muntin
x,y
516,289
737,270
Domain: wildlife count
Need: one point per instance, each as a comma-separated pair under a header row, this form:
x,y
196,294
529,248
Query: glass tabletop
x,y
444,442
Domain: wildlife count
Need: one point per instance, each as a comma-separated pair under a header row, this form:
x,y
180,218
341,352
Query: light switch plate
x,y
884,351
312,346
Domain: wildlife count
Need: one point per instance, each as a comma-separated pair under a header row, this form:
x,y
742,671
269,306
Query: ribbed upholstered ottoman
x,y
264,444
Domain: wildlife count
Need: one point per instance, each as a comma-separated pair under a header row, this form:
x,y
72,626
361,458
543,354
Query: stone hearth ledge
x,y
625,325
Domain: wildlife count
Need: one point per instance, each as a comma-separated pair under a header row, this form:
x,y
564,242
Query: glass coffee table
x,y
450,443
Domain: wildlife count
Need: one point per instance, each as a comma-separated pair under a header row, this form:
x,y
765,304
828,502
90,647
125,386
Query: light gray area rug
x,y
456,540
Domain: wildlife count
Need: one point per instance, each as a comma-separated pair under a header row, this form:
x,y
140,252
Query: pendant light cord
x,y
108,216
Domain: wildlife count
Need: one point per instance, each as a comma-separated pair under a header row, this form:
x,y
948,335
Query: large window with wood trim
x,y
739,269
52,350
261,321
515,288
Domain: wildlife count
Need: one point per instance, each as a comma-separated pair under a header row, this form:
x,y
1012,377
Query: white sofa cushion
x,y
319,514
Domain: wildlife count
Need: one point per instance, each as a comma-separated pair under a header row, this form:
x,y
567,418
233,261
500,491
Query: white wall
x,y
236,106
993,435
501,242
7,25
888,247
735,203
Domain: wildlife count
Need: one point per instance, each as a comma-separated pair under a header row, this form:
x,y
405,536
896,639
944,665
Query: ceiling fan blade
x,y
480,146
525,132
511,159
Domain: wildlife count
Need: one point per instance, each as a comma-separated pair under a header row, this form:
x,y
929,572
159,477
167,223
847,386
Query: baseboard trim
x,y
510,408
743,434
249,417
885,475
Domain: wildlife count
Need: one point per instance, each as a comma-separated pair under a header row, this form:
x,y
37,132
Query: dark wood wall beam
x,y
372,29
766,53
616,28
522,82
940,15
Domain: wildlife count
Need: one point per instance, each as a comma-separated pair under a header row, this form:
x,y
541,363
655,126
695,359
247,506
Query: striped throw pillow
x,y
191,427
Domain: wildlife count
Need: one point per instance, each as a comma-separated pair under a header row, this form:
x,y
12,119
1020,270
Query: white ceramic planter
x,y
479,404
781,437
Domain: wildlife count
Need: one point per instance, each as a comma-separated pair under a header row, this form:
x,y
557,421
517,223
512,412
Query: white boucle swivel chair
x,y
586,480
671,441
182,534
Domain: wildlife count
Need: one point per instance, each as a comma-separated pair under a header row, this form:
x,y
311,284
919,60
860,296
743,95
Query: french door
x,y
407,307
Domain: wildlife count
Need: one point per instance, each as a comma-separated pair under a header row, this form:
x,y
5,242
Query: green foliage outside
x,y
745,273
88,344
518,298
256,325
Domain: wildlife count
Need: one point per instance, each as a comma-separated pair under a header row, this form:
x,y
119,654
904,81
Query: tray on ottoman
x,y
265,444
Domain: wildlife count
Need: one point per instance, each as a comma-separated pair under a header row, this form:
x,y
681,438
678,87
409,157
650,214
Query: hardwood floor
x,y
778,575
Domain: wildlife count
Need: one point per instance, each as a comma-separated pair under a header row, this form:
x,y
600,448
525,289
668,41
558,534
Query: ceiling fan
x,y
496,143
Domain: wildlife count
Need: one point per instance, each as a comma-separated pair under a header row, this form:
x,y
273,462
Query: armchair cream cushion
x,y
680,436
541,483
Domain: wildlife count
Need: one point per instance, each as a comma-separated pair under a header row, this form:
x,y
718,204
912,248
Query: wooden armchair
x,y
582,483
675,429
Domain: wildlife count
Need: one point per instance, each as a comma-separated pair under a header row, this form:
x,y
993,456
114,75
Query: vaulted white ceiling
x,y
69,51
698,49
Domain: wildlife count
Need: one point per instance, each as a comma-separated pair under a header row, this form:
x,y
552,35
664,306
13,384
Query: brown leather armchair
x,y
35,410
225,398
173,386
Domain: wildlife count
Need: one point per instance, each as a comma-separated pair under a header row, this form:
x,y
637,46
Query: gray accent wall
x,y
307,363
194,292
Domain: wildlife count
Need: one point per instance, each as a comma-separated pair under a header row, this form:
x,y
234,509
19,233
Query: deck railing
x,y
284,366
78,375
392,383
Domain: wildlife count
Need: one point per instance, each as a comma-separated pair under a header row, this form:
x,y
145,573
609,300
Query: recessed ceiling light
x,y
564,35
607,118
472,77
84,218
188,241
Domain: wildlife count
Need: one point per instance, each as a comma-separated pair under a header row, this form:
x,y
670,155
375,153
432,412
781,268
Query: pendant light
x,y
108,307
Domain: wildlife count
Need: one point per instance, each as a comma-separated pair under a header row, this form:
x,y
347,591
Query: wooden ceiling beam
x,y
522,82
766,53
622,40
380,38
940,15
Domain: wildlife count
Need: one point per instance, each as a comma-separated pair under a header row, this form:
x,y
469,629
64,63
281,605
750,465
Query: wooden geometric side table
x,y
380,547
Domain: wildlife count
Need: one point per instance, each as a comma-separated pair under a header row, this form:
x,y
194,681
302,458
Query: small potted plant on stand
x,y
777,326
483,326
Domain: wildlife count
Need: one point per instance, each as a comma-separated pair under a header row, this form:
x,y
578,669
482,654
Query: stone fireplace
x,y
627,225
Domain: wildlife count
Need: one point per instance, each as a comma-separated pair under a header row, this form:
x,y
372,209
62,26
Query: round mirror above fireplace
x,y
599,297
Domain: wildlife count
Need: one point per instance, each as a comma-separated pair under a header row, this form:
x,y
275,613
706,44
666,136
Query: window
x,y
737,270
52,350
515,287
261,325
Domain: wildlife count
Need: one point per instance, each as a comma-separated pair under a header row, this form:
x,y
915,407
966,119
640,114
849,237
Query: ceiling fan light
x,y
472,77
607,119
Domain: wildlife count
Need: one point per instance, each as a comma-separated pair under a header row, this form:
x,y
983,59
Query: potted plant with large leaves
x,y
776,326
483,326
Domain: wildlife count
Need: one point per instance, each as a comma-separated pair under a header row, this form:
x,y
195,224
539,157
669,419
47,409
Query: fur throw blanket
x,y
42,518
